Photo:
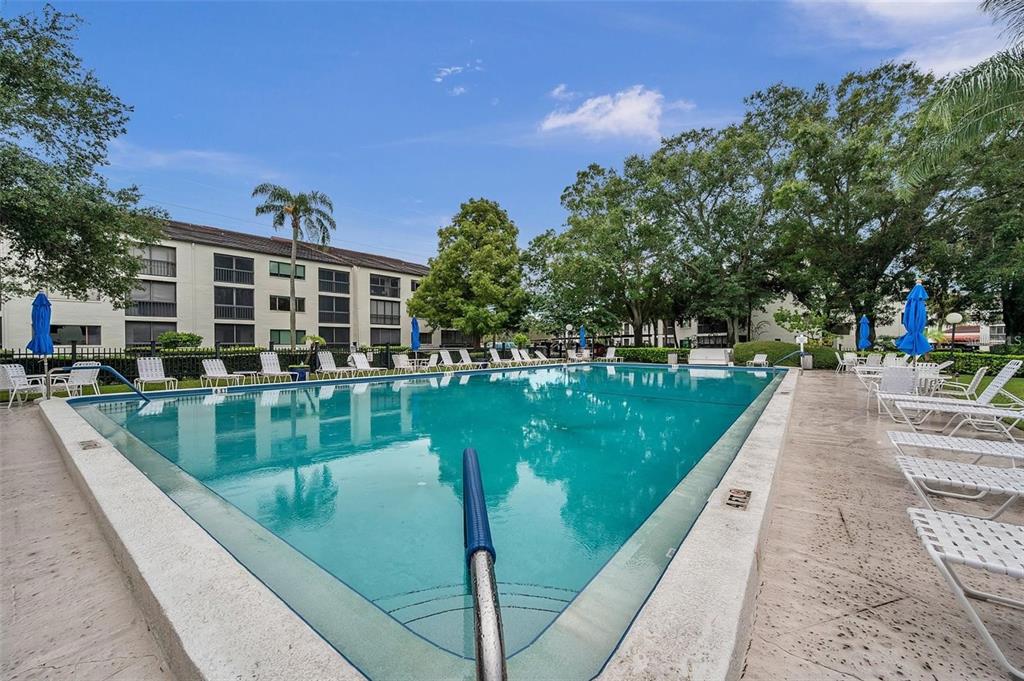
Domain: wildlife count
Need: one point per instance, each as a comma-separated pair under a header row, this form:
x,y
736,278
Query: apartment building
x,y
232,287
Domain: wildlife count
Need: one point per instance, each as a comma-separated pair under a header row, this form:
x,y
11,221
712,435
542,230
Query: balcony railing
x,y
159,268
232,276
232,312
151,308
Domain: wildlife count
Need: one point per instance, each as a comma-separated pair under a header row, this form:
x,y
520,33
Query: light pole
x,y
954,318
568,334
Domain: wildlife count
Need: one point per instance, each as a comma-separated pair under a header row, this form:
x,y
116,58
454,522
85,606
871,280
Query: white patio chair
x,y
496,360
982,419
79,379
270,369
362,365
873,360
151,370
952,541
401,363
964,445
895,383
17,384
572,355
447,361
468,361
673,359
963,390
761,360
977,482
327,368
432,361
585,354
985,399
214,372
524,357
543,358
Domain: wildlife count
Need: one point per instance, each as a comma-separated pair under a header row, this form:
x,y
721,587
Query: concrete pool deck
x,y
65,609
847,591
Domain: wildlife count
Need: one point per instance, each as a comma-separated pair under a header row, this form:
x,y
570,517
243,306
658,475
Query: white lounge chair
x,y
761,360
573,356
362,365
447,361
985,399
151,370
468,361
962,481
432,361
496,360
17,384
214,372
609,355
710,357
963,390
401,363
270,369
327,367
953,540
983,419
543,358
524,357
585,354
965,445
83,375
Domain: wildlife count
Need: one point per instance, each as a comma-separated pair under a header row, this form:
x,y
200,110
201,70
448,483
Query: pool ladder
x,y
487,632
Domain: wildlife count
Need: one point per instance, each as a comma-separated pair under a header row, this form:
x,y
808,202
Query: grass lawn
x,y
1015,386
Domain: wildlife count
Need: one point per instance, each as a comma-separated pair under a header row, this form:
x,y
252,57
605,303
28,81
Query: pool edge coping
x,y
157,551
697,622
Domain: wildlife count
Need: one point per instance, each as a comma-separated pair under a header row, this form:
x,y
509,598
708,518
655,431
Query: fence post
x,y
74,351
216,349
270,346
152,348
387,355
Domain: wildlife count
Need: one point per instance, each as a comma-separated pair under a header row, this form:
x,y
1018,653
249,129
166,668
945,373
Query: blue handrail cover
x,y
477,528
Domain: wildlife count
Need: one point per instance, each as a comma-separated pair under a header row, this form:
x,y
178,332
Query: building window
x,y
415,284
387,287
283,304
158,261
333,281
385,312
426,337
333,310
335,335
139,333
153,299
232,303
283,336
63,334
234,334
232,269
284,269
450,337
385,336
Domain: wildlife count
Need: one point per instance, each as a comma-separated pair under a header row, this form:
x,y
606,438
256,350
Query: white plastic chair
x,y
401,363
80,379
214,372
328,368
362,365
151,370
17,384
496,360
896,382
976,482
467,360
271,368
761,360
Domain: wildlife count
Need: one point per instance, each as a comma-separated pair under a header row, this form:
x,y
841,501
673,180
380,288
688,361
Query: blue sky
x,y
401,111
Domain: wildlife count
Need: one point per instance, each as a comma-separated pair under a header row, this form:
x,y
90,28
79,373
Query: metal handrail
x,y
480,555
101,367
785,357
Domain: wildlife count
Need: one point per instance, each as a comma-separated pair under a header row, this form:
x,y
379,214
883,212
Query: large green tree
x,y
308,214
614,260
845,229
475,280
62,227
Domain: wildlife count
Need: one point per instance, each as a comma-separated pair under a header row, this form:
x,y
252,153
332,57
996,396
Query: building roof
x,y
215,236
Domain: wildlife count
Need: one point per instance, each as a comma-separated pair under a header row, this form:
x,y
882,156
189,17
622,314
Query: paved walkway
x,y
847,590
65,608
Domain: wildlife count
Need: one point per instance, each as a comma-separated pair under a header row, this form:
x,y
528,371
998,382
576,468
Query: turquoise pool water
x,y
365,480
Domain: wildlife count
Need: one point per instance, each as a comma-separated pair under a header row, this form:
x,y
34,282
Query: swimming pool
x,y
345,499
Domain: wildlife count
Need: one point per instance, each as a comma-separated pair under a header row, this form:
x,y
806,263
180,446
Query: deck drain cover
x,y
89,444
738,498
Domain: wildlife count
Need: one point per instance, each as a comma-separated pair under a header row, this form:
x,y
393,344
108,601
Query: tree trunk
x,y
291,279
638,329
1012,298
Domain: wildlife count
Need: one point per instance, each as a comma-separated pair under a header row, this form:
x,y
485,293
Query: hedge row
x,y
969,362
650,355
824,358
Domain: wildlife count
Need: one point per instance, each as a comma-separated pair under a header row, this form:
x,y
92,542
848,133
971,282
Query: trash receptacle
x,y
807,361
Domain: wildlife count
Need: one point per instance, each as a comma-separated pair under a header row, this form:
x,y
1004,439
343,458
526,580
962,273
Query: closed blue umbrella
x,y
864,334
41,343
915,319
583,337
415,344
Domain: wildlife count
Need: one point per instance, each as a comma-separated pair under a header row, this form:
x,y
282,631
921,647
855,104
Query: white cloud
x,y
634,112
446,71
458,90
562,92
126,155
939,35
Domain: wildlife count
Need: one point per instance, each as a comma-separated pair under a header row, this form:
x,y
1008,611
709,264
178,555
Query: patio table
x,y
251,376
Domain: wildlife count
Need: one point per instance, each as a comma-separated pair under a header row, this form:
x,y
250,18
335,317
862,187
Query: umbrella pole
x,y
46,376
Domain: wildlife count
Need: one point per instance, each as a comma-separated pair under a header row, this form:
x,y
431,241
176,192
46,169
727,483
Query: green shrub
x,y
650,355
521,340
824,357
969,362
179,339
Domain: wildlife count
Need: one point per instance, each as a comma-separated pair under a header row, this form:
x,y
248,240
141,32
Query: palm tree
x,y
310,217
970,106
